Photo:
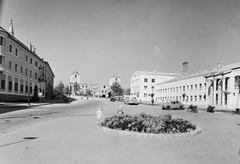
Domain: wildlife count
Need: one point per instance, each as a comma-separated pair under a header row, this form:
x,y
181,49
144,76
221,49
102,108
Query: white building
x,y
143,83
218,87
102,91
74,79
113,79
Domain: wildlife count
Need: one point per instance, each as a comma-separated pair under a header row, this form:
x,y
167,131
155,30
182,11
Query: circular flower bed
x,y
149,124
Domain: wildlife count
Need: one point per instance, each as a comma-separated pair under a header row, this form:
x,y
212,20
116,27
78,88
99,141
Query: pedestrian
x,y
100,116
120,111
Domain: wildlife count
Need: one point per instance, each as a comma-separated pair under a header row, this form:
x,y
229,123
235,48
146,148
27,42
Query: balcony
x,y
2,69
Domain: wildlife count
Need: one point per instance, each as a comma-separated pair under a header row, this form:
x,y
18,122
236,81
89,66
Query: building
x,y
102,91
85,88
143,83
114,78
74,82
218,87
22,72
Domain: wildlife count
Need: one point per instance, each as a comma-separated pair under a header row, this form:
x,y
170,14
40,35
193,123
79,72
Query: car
x,y
130,99
173,105
112,99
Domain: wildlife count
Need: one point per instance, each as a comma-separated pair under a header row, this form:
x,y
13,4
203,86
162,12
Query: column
x,y
214,91
223,93
231,97
6,83
207,87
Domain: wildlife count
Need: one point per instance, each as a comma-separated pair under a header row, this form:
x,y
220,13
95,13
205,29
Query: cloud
x,y
157,49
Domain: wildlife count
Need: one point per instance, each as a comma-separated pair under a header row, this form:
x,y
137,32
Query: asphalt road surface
x,y
67,133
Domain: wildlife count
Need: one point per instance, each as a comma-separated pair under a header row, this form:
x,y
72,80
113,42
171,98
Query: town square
x,y
130,81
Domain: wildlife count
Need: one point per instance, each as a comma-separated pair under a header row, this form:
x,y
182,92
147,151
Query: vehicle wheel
x,y
168,108
181,108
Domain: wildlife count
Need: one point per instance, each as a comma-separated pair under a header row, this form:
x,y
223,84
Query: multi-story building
x,y
22,71
143,83
74,82
85,87
102,91
114,78
218,87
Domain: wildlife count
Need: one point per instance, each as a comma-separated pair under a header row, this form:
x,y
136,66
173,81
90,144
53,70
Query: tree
x,y
76,87
117,89
67,90
88,92
59,88
127,91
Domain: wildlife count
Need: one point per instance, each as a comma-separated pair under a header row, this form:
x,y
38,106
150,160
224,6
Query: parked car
x,y
112,99
130,99
173,105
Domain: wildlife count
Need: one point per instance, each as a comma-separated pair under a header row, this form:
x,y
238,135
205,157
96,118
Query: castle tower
x,y
114,78
74,79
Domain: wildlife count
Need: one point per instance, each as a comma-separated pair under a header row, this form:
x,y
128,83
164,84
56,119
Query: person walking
x,y
100,116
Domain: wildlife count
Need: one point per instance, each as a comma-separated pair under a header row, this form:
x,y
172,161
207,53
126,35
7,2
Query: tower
x,y
11,31
74,81
114,78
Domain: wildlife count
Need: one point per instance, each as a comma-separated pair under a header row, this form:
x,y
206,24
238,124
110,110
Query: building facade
x,y
22,71
113,79
143,83
218,87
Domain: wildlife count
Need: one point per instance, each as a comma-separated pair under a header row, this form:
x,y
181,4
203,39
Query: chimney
x,y
185,68
218,66
209,68
30,46
200,70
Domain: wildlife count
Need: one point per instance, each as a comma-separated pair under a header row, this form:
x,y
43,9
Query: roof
x,y
115,76
207,73
75,73
154,73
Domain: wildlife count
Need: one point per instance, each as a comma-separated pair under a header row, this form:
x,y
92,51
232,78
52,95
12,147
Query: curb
x,y
151,135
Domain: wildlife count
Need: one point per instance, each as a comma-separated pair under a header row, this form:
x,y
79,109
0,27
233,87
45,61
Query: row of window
x,y
183,88
146,87
21,70
146,80
17,87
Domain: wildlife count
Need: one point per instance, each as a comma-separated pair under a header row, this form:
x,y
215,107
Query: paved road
x,y
74,137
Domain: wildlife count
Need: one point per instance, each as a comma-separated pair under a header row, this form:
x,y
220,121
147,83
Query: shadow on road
x,y
15,106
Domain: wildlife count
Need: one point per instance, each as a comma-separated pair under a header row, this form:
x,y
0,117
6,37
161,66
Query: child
x,y
120,110
100,116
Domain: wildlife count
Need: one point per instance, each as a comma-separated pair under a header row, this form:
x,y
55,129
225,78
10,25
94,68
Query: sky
x,y
99,38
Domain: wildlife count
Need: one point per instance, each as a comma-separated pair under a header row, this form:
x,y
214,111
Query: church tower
x,y
11,31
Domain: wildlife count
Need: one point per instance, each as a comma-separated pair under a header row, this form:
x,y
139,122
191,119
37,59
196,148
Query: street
x,y
67,133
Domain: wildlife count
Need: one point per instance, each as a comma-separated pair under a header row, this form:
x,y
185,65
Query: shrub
x,y
149,124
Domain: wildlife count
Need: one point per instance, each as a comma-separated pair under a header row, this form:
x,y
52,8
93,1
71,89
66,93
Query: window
x,y
200,86
16,52
30,73
1,41
10,65
1,59
26,71
21,88
145,80
10,48
21,69
153,80
183,88
22,55
187,87
205,86
26,89
191,87
153,87
15,67
195,98
16,87
10,85
26,58
35,75
2,84
200,98
36,64
145,87
30,60
195,87
145,94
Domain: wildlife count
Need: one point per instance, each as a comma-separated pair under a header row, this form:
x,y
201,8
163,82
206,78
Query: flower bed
x,y
149,124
